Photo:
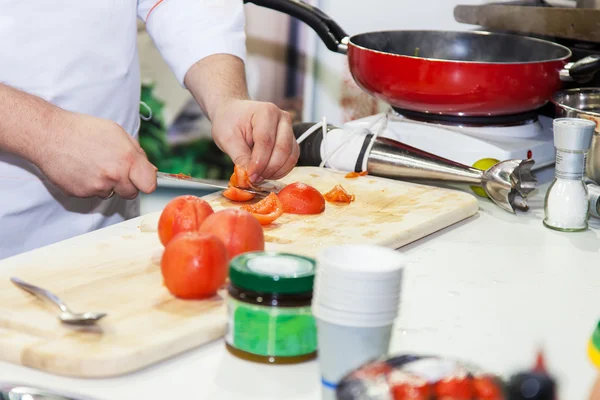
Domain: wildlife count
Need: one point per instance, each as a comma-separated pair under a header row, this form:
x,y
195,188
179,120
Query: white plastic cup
x,y
356,288
361,262
352,302
356,298
349,318
360,306
358,285
342,349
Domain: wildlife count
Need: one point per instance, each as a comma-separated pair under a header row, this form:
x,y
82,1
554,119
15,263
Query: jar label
x,y
570,165
271,331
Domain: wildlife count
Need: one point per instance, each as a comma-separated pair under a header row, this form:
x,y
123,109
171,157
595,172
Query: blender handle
x,y
328,30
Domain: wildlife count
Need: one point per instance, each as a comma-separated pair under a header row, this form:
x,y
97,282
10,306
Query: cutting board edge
x,y
431,228
105,367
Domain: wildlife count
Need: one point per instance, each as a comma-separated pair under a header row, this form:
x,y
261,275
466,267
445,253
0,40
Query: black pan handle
x,y
328,30
583,70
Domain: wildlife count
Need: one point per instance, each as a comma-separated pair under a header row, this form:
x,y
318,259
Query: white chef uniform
x,y
82,56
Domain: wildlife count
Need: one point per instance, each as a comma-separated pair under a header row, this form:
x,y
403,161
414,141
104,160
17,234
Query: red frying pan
x,y
468,73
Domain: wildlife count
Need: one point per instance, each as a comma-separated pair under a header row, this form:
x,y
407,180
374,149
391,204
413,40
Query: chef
x,y
70,84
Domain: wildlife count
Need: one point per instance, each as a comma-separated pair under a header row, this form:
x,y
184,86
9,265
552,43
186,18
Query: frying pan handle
x,y
328,30
583,70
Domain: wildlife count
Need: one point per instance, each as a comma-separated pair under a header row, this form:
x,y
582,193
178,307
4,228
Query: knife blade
x,y
263,190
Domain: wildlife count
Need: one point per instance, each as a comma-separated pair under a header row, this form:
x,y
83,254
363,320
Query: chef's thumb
x,y
239,152
143,174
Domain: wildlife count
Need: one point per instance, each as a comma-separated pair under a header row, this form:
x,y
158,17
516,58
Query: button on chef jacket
x,y
82,56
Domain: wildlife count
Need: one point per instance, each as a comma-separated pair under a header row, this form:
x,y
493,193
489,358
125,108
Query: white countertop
x,y
489,290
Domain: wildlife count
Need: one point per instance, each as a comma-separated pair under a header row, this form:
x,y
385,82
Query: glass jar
x,y
269,308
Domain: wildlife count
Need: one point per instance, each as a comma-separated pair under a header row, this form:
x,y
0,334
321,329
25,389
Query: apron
x,y
81,56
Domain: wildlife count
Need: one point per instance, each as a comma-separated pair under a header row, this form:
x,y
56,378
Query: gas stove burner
x,y
470,121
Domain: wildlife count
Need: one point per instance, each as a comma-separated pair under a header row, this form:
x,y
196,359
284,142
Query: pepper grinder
x,y
566,205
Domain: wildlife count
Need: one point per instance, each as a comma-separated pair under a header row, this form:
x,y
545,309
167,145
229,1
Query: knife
x,y
263,190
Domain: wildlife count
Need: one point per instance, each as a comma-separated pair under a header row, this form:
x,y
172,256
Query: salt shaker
x,y
567,206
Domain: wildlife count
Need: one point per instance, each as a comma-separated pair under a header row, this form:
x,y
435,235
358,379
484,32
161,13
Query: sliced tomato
x,y
408,391
267,210
235,194
353,174
406,386
339,195
180,176
486,388
240,178
454,388
300,198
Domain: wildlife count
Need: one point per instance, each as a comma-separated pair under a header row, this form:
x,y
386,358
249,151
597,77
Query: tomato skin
x,y
454,388
267,210
300,198
405,386
182,214
237,229
407,391
194,265
486,388
235,194
339,195
353,174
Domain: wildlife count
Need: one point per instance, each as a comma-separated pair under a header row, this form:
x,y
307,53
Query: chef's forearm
x,y
215,80
24,119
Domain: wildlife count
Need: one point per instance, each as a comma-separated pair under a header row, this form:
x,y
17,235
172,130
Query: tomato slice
x,y
267,210
486,388
240,178
180,176
235,194
405,386
353,174
339,195
454,388
300,198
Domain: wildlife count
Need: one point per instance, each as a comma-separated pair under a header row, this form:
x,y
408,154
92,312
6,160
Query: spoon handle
x,y
41,293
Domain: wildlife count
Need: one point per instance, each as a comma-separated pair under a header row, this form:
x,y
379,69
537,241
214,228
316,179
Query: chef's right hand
x,y
87,156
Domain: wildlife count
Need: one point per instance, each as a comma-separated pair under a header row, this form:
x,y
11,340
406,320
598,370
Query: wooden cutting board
x,y
116,270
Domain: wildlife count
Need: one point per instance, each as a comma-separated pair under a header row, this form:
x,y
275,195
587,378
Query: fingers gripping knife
x,y
507,183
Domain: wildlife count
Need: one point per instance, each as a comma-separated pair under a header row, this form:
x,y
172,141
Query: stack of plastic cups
x,y
355,302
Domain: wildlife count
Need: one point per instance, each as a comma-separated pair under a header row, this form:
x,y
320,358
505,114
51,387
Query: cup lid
x,y
573,133
272,272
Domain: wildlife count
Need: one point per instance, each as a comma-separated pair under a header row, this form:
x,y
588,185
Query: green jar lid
x,y
596,337
272,272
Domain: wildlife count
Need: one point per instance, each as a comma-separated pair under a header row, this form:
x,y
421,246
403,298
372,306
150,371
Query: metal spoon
x,y
67,316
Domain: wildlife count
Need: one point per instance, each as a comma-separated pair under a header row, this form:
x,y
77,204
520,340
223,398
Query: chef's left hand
x,y
257,136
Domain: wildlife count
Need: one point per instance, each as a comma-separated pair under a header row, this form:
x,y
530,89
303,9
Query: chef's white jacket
x,y
82,56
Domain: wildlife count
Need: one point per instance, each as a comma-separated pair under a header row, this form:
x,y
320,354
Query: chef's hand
x,y
257,136
86,156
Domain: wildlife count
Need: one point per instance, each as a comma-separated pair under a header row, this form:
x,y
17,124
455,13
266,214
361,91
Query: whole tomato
x,y
182,214
238,229
194,265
